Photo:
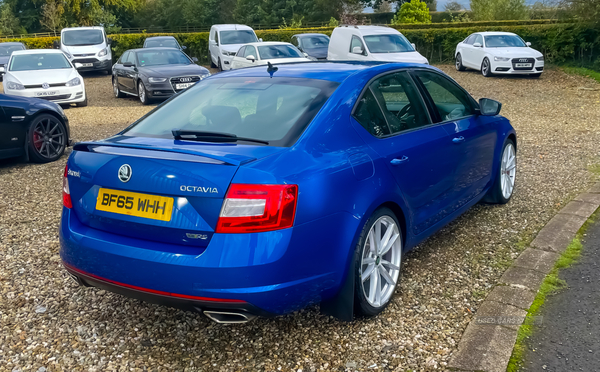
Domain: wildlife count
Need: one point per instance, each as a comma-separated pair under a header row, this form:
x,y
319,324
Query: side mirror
x,y
477,45
414,46
183,47
251,58
528,44
305,54
195,59
212,42
357,50
56,44
260,39
489,107
128,64
110,41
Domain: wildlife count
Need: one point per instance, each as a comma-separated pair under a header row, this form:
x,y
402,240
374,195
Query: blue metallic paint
x,y
343,175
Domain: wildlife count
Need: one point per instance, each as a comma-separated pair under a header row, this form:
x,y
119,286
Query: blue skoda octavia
x,y
260,191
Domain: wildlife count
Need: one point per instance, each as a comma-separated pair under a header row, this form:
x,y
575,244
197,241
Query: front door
x,y
12,127
417,152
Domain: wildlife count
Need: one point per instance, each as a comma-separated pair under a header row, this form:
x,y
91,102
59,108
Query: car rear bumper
x,y
263,274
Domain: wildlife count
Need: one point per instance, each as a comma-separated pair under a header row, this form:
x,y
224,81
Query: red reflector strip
x,y
147,290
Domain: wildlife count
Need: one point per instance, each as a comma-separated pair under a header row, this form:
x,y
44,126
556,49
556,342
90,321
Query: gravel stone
x,y
444,280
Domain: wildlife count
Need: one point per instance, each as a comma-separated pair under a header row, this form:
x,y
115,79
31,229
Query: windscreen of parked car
x,y
238,37
394,43
161,57
314,42
275,109
504,41
6,50
42,61
279,51
82,37
165,43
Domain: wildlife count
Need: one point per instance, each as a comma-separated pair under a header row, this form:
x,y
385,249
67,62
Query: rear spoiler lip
x,y
85,146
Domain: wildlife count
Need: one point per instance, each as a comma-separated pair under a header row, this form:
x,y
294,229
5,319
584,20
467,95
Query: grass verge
x,y
582,71
551,284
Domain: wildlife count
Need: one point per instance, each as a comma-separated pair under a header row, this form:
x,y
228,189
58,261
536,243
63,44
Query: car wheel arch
x,y
513,137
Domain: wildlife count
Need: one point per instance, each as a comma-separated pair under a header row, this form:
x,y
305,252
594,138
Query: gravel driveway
x,y
47,321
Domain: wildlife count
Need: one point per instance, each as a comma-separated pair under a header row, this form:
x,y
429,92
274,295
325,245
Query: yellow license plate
x,y
135,204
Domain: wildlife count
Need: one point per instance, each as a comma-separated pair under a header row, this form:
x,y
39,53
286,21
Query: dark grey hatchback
x,y
155,73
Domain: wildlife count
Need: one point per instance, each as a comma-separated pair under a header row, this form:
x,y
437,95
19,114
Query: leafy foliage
x,y
414,12
487,10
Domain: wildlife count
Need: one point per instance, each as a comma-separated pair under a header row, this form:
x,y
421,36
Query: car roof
x,y
231,27
12,43
83,28
160,37
37,51
487,33
374,30
326,70
310,34
261,43
151,49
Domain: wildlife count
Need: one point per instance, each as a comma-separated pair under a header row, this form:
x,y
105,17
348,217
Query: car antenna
x,y
271,69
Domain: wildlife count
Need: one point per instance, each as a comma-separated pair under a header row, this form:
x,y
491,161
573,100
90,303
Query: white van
x,y
88,48
371,43
224,41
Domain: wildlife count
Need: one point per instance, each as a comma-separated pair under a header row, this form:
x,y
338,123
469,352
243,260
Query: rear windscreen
x,y
276,110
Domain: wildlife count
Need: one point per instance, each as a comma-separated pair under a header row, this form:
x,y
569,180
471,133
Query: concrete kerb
x,y
488,341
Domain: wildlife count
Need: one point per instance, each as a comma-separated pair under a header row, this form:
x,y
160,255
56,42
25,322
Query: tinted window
x,y
165,43
238,37
315,41
400,102
82,37
356,42
394,43
369,115
271,109
161,57
450,101
278,51
216,37
42,61
504,41
123,58
130,58
250,51
295,41
6,50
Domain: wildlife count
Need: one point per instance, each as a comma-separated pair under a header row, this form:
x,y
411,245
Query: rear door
x,y
417,152
473,136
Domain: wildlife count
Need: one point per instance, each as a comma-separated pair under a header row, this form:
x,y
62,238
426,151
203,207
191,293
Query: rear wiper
x,y
212,136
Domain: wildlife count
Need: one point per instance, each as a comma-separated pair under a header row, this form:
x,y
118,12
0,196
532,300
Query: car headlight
x,y
157,80
204,76
14,85
103,52
540,58
231,54
503,59
73,82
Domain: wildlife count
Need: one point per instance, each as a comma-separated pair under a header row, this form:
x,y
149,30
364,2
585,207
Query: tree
x,y
588,10
490,10
384,7
9,24
414,12
52,16
453,6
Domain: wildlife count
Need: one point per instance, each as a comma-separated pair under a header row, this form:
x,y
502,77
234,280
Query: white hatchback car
x,y
371,43
44,73
498,53
258,54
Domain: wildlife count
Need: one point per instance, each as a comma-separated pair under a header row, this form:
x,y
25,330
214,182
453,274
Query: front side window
x,y
238,37
6,50
278,51
250,51
82,37
240,52
471,39
394,43
356,42
450,102
504,41
42,61
161,57
276,110
478,39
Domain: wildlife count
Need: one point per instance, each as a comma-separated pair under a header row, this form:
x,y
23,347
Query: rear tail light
x,y
257,208
65,192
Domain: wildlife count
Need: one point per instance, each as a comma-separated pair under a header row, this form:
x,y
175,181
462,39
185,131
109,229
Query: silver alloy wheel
x,y
380,261
508,170
142,92
115,88
486,66
458,62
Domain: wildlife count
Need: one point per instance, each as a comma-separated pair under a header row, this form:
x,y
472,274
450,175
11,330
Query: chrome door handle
x,y
458,139
404,159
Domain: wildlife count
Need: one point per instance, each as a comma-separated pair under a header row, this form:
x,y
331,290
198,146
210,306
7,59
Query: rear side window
x,y
369,115
276,110
449,101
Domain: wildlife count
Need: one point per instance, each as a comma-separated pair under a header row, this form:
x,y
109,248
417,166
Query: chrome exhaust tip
x,y
75,279
225,317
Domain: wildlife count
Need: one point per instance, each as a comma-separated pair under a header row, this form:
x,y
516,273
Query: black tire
x,y
486,70
143,93
84,103
212,64
458,63
495,194
362,306
40,147
219,66
116,91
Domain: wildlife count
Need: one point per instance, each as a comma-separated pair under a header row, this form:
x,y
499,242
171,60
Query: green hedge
x,y
563,42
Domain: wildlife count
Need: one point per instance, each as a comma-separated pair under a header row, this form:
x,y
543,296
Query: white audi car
x,y
261,53
44,73
498,53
